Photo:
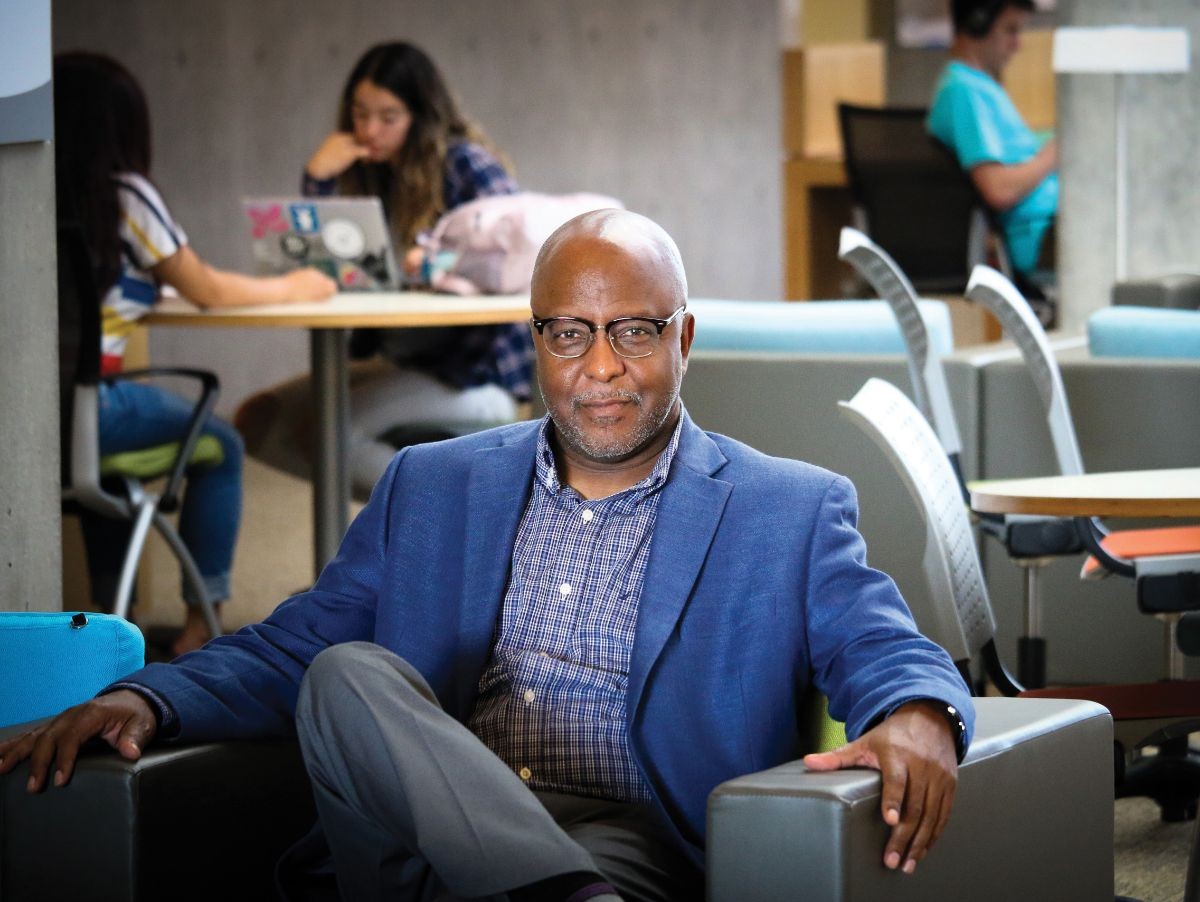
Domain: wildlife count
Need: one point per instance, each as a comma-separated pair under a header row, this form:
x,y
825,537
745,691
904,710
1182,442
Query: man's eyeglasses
x,y
630,336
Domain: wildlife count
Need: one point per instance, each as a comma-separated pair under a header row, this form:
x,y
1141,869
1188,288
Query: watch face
x,y
344,239
294,246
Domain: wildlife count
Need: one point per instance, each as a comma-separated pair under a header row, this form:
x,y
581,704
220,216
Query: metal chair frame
x,y
79,348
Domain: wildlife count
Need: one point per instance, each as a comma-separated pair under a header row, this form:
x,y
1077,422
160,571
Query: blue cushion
x,y
816,327
1144,332
47,665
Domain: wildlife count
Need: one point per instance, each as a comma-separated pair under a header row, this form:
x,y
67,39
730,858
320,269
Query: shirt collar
x,y
547,472
967,68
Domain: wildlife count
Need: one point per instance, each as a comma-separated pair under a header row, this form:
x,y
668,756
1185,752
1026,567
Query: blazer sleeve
x,y
866,653
245,684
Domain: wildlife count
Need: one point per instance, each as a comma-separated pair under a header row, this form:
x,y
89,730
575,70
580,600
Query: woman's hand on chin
x,y
337,153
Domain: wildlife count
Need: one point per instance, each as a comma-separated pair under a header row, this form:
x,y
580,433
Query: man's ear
x,y
687,333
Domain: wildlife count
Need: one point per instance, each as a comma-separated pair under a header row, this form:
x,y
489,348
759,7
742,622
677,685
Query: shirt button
x,y
530,695
564,590
525,773
587,516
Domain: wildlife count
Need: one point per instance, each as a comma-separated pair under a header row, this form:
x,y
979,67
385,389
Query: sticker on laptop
x,y
344,239
304,218
265,220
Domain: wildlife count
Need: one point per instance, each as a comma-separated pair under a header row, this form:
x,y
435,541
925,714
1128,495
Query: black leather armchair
x,y
1033,819
185,822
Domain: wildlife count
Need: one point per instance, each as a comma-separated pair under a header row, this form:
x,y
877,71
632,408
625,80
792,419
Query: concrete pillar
x,y
30,519
1163,133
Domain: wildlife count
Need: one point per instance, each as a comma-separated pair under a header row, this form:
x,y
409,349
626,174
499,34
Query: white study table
x,y
1131,493
327,323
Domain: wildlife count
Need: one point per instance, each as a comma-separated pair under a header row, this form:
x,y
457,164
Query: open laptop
x,y
344,237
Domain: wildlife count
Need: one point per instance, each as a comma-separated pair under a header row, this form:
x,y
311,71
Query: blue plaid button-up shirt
x,y
552,698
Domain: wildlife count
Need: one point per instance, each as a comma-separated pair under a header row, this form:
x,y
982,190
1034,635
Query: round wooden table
x,y
1132,493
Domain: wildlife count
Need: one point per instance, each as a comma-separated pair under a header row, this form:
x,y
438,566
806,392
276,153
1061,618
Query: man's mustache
x,y
592,397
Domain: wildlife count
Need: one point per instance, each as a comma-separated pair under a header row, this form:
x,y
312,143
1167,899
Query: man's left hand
x,y
913,750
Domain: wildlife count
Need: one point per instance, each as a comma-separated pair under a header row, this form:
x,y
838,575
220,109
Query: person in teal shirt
x,y
1014,169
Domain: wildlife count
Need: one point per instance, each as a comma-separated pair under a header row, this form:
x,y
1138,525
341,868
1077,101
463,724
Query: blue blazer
x,y
756,589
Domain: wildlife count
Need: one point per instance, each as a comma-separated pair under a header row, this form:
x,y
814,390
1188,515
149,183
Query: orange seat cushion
x,y
1132,544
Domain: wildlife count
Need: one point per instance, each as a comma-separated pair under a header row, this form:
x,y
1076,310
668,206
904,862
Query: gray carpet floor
x,y
1151,857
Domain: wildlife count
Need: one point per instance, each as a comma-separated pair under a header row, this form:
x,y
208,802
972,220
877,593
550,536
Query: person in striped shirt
x,y
102,161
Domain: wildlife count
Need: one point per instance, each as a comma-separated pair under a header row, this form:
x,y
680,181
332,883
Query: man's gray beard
x,y
648,426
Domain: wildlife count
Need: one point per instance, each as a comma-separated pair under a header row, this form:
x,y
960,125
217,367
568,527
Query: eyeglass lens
x,y
629,338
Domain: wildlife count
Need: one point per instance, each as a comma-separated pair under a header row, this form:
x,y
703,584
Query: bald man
x,y
540,647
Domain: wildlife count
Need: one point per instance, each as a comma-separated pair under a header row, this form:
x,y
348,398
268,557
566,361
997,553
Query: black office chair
x,y
913,198
112,488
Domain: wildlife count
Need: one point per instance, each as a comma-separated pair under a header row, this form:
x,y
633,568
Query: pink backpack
x,y
489,246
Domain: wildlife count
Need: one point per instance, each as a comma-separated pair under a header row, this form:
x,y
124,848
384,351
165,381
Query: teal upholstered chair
x,y
51,661
1144,332
814,327
114,487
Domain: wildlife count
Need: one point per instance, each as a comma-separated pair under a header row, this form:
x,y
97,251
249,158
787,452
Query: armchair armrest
x,y
187,822
1033,818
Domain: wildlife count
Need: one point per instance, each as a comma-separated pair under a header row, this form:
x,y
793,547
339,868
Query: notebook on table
x,y
344,237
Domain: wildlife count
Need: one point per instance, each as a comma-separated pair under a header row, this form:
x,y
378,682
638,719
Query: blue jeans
x,y
135,415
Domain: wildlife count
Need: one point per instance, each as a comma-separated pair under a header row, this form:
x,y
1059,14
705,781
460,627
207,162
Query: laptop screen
x,y
344,237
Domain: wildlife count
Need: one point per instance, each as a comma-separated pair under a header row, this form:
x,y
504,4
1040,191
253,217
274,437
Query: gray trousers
x,y
414,806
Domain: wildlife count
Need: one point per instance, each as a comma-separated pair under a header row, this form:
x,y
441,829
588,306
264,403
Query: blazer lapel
x,y
688,513
497,491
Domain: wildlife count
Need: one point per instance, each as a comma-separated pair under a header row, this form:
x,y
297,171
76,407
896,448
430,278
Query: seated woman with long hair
x,y
401,137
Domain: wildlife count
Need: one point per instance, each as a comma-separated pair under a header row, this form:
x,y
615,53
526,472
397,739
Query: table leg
x,y
331,475
1031,647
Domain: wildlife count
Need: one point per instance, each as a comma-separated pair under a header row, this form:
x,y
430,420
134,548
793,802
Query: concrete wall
x,y
671,105
30,560
1164,192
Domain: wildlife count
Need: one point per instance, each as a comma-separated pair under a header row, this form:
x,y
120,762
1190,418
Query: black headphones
x,y
977,20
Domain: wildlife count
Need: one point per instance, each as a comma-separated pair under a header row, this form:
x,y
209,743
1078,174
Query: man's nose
x,y
601,362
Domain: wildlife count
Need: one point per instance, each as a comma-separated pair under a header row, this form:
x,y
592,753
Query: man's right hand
x,y
123,719
337,153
